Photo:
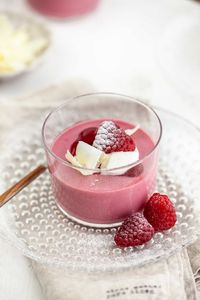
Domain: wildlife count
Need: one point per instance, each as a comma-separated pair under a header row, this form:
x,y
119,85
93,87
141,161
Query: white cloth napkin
x,y
166,279
194,255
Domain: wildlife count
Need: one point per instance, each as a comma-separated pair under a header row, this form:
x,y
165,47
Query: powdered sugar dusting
x,y
111,138
104,137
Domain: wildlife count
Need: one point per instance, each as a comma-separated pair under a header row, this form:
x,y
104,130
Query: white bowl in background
x,y
36,28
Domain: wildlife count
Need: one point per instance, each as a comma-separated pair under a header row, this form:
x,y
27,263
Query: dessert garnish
x,y
132,130
111,138
106,147
86,156
87,136
119,160
134,231
159,214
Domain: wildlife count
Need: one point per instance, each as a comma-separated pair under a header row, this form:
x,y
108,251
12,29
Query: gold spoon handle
x,y
17,187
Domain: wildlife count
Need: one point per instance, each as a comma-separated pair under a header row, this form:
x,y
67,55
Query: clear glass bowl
x,y
102,199
33,223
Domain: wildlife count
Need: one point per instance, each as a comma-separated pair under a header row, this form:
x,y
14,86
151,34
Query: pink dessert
x,y
97,198
63,8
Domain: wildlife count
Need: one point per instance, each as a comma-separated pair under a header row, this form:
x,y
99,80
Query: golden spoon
x,y
17,187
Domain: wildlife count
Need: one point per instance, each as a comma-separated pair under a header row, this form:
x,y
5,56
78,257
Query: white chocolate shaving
x,y
17,48
119,160
133,130
89,157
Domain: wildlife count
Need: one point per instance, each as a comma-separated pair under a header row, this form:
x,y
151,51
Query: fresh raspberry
x,y
111,138
87,136
160,212
135,171
73,147
134,231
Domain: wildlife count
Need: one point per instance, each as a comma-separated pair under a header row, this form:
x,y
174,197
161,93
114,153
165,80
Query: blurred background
x,y
147,49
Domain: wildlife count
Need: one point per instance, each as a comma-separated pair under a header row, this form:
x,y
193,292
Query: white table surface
x,y
114,48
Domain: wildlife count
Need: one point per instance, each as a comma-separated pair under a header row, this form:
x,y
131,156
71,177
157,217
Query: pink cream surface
x,y
101,199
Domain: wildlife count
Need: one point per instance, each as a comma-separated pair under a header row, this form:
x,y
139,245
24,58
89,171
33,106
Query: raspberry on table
x,y
134,231
160,212
111,138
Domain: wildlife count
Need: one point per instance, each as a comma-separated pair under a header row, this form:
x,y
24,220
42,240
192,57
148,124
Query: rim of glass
x,y
97,170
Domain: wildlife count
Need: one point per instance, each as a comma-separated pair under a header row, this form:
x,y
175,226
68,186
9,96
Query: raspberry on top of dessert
x,y
105,147
111,138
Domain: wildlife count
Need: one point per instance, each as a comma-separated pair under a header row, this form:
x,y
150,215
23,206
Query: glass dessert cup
x,y
105,197
62,9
